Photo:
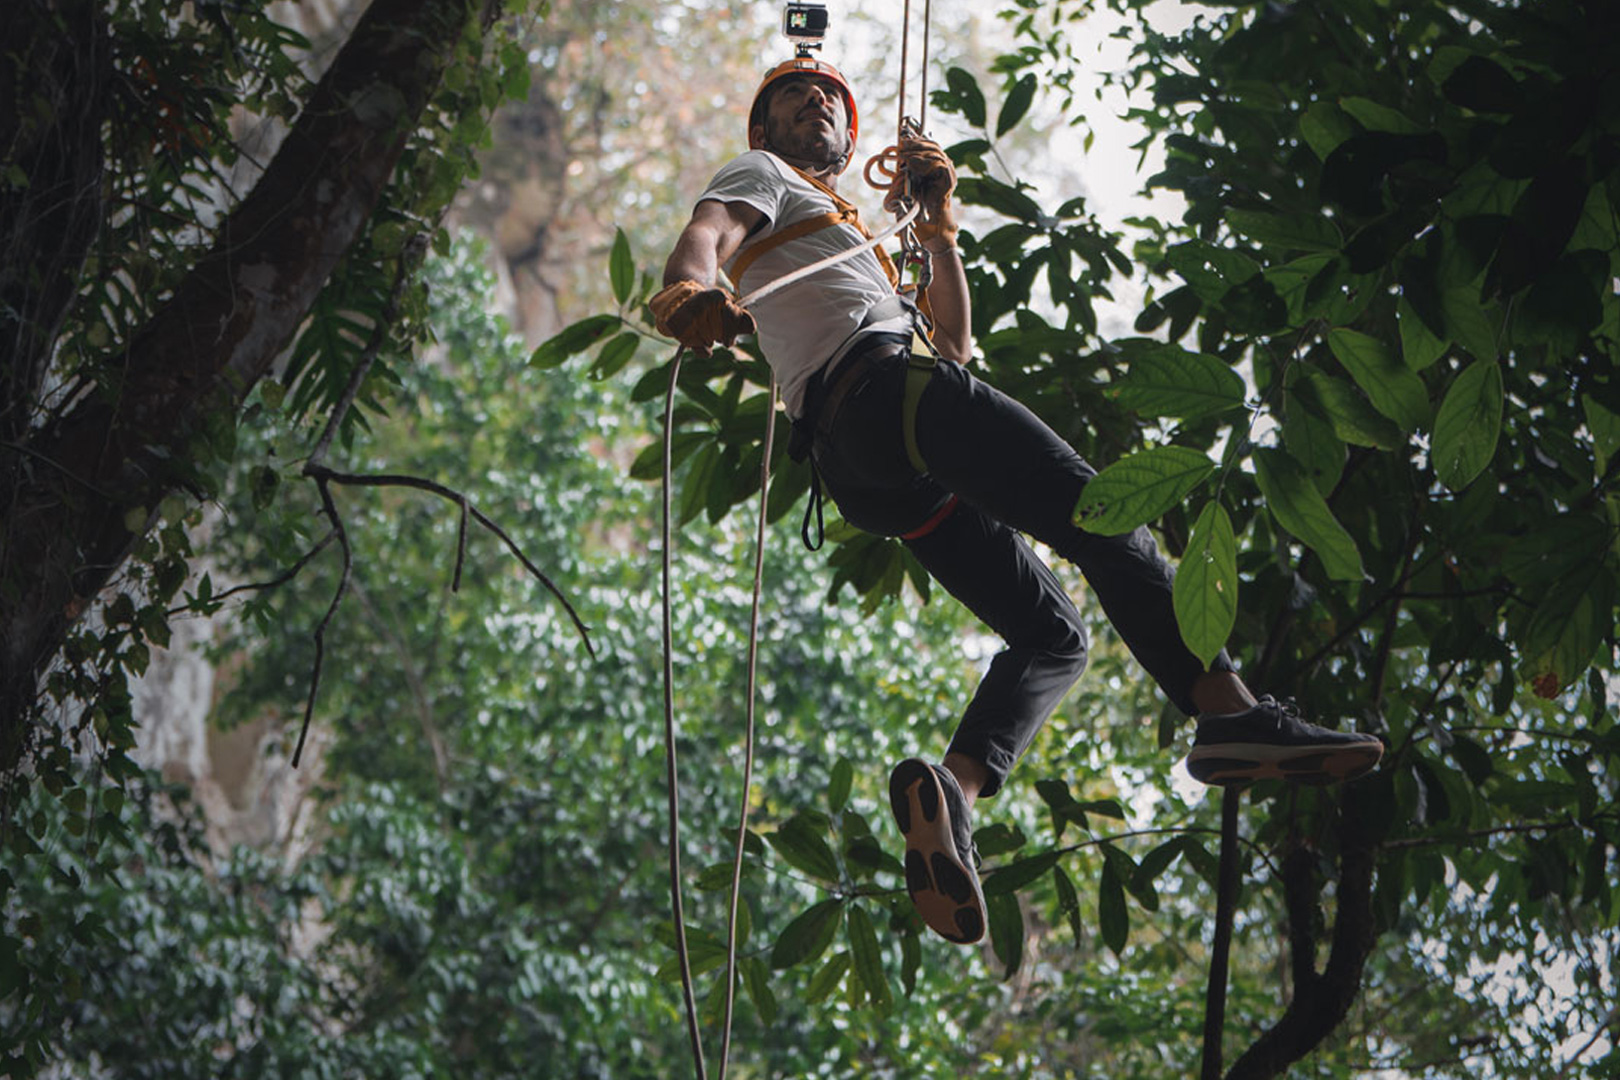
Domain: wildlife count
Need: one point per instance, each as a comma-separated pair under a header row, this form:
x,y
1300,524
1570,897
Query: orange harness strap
x,y
846,214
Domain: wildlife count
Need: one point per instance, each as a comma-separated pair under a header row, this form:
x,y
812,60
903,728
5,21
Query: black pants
x,y
1011,474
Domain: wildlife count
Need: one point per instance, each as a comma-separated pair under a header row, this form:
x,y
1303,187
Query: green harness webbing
x,y
919,369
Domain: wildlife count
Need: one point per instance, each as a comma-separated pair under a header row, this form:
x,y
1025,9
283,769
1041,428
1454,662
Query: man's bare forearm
x,y
696,256
948,298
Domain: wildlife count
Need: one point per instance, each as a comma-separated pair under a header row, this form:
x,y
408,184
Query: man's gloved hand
x,y
698,317
933,179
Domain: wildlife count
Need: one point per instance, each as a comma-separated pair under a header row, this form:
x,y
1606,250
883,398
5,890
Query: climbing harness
x,y
805,25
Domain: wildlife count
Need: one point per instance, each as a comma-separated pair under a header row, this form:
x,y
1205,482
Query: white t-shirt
x,y
812,321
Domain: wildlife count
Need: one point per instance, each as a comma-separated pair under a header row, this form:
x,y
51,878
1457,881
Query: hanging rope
x,y
748,738
672,772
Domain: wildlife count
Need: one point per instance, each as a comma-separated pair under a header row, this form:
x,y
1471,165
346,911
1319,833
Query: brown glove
x,y
699,318
933,178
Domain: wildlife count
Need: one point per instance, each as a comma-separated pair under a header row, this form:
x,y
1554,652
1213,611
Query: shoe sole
x,y
1242,763
944,890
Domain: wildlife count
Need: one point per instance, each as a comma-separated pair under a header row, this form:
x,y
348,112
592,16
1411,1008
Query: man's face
x,y
805,118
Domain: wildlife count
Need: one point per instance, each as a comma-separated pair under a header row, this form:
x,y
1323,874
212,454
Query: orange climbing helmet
x,y
804,65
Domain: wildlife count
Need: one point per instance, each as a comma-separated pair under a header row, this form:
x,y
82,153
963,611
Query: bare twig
x,y
282,579
331,610
322,473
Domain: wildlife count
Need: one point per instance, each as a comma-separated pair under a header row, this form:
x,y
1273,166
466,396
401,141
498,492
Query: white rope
x,y
831,260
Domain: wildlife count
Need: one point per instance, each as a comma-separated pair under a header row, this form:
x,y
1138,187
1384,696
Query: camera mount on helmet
x,y
804,22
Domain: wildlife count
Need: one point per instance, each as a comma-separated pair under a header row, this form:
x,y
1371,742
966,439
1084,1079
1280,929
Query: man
x,y
915,447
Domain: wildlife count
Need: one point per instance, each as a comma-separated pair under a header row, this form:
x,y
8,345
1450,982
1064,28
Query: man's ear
x,y
756,137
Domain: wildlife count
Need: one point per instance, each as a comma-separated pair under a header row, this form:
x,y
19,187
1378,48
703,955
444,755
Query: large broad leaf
x,y
803,846
827,978
621,267
1205,593
1140,488
1112,918
1468,424
1293,232
1167,380
863,947
1604,425
1566,628
1353,418
963,95
1419,345
807,936
1315,445
1209,269
1300,508
1010,878
1553,552
1467,322
1393,389
1000,197
574,339
1016,105
838,787
1006,920
1068,902
757,980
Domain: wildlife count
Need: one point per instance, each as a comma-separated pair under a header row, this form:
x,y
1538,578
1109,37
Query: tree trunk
x,y
1321,1000
80,482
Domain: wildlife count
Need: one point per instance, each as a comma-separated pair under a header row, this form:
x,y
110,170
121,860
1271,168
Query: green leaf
x,y
998,839
1468,424
1112,918
574,339
1567,626
966,95
1006,919
1291,232
1016,105
1140,488
1300,508
1206,586
757,981
1324,126
1376,117
1604,426
827,978
1354,420
1467,322
1419,345
615,355
1000,197
1211,271
843,778
1010,878
621,267
1068,902
1393,390
803,846
1167,380
863,947
807,937
1315,445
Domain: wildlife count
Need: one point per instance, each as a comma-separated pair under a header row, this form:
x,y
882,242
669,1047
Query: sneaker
x,y
941,861
1271,742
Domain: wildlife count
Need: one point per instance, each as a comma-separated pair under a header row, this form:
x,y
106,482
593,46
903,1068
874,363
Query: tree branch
x,y
322,473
